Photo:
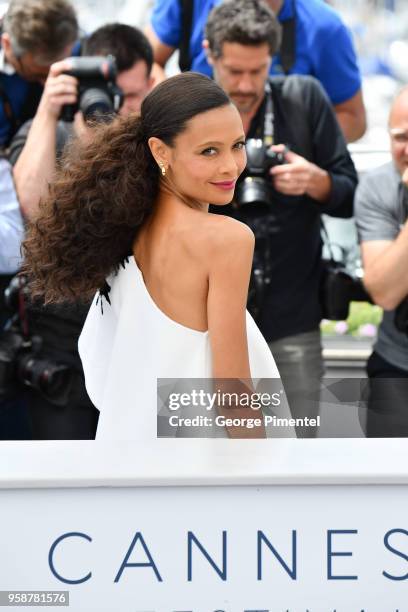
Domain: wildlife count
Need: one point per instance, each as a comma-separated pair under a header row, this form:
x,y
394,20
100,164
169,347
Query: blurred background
x,y
380,32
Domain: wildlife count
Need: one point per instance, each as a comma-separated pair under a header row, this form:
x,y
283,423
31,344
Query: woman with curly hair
x,y
127,217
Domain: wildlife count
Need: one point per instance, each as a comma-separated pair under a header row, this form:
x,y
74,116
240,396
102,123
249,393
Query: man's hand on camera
x,y
292,178
300,177
59,89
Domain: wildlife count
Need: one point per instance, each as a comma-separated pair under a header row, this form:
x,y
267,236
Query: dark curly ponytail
x,y
87,224
105,190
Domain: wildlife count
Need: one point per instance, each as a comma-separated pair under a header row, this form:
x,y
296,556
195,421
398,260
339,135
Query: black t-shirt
x,y
291,301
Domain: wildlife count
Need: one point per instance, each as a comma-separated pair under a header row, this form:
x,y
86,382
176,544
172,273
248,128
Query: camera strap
x,y
288,44
269,119
22,311
187,9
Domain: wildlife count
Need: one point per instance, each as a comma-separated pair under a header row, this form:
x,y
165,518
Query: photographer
x,y
382,220
35,33
282,198
36,150
315,42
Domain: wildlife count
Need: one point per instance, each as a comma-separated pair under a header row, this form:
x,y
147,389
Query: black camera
x,y
20,361
255,185
99,98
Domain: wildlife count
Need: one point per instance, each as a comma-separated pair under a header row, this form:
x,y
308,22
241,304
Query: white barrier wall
x,y
208,525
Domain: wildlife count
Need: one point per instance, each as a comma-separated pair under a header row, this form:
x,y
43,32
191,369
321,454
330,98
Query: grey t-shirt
x,y
381,209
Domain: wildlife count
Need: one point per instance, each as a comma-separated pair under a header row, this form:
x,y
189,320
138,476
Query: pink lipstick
x,y
225,185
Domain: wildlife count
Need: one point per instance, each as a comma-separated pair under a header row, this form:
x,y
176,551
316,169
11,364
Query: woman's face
x,y
208,157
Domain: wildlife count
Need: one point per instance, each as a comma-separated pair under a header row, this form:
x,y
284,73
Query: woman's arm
x,y
230,268
229,273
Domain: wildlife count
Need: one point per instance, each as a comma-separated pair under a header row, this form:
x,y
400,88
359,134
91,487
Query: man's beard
x,y
244,103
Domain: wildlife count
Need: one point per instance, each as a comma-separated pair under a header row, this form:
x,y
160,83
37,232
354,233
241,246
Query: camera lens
x,y
253,190
96,104
49,378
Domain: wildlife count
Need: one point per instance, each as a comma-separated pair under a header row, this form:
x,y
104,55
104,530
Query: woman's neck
x,y
174,202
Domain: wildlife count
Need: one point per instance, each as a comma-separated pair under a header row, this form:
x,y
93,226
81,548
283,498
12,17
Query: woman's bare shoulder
x,y
211,238
223,231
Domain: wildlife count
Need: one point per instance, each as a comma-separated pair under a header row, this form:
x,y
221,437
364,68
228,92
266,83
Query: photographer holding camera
x,y
298,167
35,33
36,147
381,206
82,89
315,41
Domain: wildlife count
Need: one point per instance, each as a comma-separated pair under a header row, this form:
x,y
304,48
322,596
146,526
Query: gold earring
x,y
163,169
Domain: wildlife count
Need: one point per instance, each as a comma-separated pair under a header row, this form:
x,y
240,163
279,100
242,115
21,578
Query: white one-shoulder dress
x,y
127,343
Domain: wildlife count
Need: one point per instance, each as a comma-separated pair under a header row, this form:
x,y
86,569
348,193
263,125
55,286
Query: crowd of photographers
x,y
289,67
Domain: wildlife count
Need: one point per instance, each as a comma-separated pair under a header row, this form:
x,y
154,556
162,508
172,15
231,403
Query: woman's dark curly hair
x,y
105,190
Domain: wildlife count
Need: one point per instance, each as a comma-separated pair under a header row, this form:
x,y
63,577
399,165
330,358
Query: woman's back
x,y
154,331
127,345
171,251
134,355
